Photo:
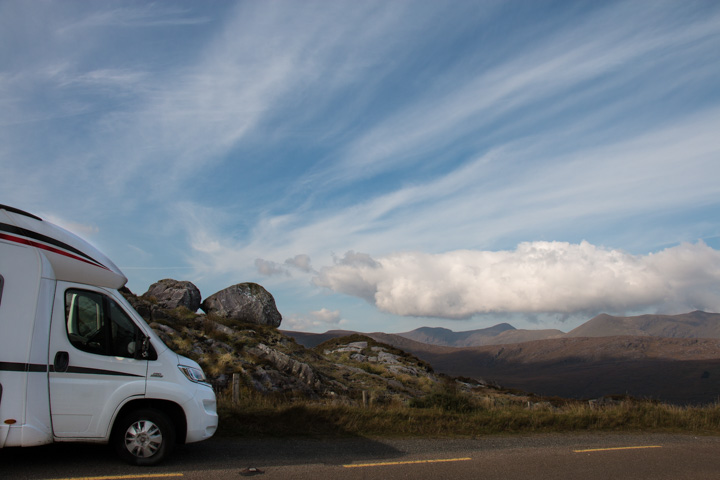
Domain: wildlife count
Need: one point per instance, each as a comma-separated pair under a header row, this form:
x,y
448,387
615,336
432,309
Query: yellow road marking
x,y
616,448
382,464
124,477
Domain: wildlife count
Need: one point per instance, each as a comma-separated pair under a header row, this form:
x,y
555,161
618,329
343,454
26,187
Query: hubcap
x,y
143,438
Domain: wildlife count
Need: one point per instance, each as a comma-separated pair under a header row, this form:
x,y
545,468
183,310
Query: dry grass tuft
x,y
445,416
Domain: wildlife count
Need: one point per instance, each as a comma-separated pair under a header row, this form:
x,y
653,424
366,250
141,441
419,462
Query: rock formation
x,y
170,294
230,341
244,302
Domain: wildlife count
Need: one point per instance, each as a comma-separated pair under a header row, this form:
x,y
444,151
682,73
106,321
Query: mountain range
x,y
673,358
695,324
500,334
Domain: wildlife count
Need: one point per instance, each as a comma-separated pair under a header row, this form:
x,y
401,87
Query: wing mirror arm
x,y
143,352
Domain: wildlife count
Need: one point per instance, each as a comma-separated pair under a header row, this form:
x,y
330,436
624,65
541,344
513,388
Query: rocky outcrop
x,y
385,372
350,370
244,302
170,294
282,373
267,361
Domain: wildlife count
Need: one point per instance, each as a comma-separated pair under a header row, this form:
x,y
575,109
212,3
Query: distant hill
x,y
449,338
443,336
673,358
500,334
695,324
521,336
676,370
410,345
312,340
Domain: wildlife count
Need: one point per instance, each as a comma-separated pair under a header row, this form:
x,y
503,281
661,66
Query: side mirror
x,y
143,352
145,347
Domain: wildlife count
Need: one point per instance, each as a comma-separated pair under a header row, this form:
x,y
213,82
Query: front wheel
x,y
144,437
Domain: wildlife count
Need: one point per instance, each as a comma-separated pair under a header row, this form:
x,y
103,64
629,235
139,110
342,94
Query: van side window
x,y
2,283
97,324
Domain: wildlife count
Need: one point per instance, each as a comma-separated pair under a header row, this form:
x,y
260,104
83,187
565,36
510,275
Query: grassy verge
x,y
257,416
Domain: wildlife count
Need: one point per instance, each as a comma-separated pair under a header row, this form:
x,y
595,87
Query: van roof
x,y
72,258
18,211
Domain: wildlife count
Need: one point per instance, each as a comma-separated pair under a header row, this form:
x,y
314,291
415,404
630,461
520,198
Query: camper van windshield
x,y
97,324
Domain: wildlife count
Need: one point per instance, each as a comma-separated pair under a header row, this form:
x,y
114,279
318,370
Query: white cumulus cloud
x,y
269,268
319,318
301,262
536,277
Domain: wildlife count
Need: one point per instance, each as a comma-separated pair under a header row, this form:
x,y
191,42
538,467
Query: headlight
x,y
194,374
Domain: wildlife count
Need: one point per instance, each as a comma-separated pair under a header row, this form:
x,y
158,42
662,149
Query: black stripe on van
x,y
45,239
97,371
19,212
34,367
22,367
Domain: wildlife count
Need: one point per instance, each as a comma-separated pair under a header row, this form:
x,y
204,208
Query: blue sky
x,y
379,166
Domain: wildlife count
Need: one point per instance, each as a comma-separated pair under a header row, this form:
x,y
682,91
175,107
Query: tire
x,y
144,437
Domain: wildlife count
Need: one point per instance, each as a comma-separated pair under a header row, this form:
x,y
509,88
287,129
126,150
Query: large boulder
x,y
169,293
246,302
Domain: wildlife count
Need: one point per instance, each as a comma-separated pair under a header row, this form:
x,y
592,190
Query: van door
x,y
92,361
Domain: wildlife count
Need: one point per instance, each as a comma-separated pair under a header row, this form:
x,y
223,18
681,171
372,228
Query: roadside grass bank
x,y
267,416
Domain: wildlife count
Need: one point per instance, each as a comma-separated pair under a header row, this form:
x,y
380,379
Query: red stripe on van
x,y
25,241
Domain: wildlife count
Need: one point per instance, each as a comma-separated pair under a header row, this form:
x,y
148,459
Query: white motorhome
x,y
77,362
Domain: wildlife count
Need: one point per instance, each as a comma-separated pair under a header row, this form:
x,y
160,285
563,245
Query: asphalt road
x,y
573,456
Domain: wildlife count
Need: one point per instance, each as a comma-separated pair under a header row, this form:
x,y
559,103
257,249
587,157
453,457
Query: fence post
x,y
365,398
236,388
